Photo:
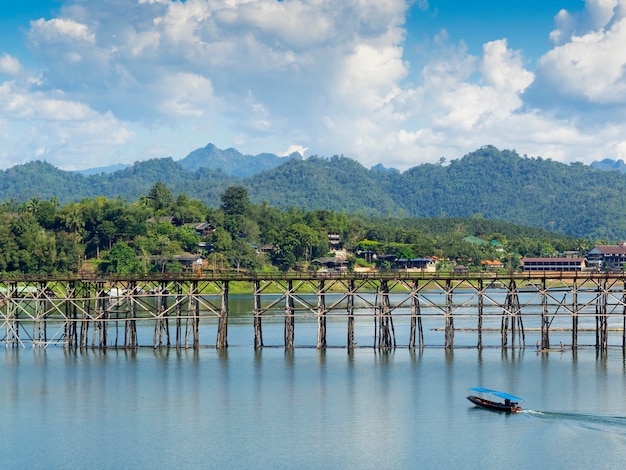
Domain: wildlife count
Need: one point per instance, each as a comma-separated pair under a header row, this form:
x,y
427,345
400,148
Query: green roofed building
x,y
475,240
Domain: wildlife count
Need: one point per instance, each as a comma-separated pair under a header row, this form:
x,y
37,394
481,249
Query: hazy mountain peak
x,y
231,161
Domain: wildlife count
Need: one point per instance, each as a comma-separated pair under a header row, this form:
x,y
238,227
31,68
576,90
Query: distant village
x,y
601,258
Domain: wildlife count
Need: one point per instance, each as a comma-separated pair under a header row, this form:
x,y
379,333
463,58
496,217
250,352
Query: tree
x,y
121,259
187,210
235,201
160,196
71,218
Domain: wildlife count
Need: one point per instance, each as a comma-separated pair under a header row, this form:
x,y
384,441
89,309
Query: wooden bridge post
x,y
289,316
160,322
350,308
193,310
506,313
131,340
575,315
512,313
517,323
416,318
480,313
196,316
321,316
100,312
258,330
222,327
89,291
13,316
386,336
449,328
624,316
545,317
178,322
602,317
38,316
71,314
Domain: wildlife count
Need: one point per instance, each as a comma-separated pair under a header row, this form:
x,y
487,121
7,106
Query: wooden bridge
x,y
106,312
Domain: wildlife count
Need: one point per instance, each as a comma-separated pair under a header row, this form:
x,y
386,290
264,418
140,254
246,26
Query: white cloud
x,y
123,77
59,30
293,149
590,66
185,94
9,65
596,15
47,125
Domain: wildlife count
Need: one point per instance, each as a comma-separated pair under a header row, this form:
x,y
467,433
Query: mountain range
x,y
574,199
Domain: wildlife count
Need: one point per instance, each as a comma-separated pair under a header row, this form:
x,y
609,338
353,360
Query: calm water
x,y
310,409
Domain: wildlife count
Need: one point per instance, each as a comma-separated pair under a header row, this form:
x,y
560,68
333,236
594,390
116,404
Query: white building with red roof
x,y
607,257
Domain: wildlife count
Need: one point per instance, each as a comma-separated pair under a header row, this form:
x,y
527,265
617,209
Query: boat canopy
x,y
496,393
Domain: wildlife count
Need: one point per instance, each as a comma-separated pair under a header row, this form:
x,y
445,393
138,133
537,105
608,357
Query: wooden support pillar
x,y
178,323
196,317
13,316
386,335
520,322
321,316
350,297
480,314
289,316
506,314
624,316
192,311
449,327
258,330
545,317
89,291
130,327
600,318
416,318
156,337
71,299
513,313
575,315
39,313
98,339
602,331
222,327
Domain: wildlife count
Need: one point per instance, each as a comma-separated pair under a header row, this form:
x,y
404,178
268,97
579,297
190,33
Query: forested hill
x,y
572,199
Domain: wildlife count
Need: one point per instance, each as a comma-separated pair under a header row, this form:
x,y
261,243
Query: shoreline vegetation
x,y
161,233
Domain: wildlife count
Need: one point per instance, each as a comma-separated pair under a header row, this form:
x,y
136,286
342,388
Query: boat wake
x,y
598,422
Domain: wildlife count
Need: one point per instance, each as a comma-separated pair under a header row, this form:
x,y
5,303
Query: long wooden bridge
x,y
108,312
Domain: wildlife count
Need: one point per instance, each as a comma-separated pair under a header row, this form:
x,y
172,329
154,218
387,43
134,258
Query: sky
x,y
92,83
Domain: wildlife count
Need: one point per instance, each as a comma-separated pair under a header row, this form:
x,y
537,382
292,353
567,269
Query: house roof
x,y
609,249
492,263
427,260
330,260
475,240
552,260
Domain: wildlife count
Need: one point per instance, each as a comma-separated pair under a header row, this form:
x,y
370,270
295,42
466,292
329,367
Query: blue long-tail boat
x,y
478,396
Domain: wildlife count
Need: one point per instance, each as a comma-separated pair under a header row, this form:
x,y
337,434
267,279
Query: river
x,y
305,408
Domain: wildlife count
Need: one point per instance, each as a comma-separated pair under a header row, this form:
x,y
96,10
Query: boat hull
x,y
494,405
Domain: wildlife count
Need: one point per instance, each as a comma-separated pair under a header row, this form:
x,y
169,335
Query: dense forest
x,y
573,199
152,232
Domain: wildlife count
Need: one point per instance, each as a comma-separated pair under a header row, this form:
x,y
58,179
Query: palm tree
x,y
33,205
74,221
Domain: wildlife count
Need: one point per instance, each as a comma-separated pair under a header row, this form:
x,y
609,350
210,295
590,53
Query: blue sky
x,y
87,83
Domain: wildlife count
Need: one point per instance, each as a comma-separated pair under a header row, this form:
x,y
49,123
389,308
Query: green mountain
x,y
232,162
488,183
609,164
